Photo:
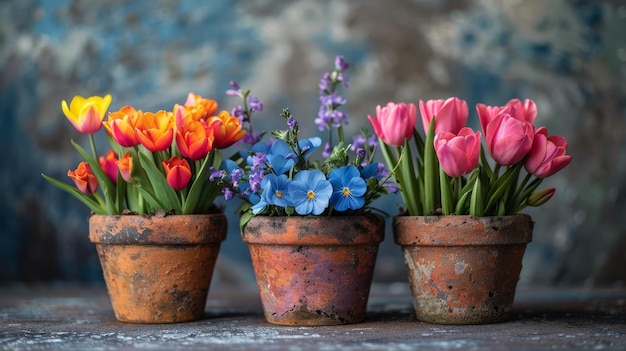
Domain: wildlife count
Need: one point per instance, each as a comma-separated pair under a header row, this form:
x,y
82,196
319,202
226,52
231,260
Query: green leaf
x,y
162,190
88,200
446,193
431,170
245,218
476,202
462,205
502,185
410,190
199,183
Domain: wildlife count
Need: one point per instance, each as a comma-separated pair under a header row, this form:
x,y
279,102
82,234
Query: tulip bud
x,y
84,178
540,197
450,115
109,165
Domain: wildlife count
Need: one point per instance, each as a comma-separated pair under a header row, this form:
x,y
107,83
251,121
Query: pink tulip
x,y
547,155
394,123
508,139
450,115
458,154
526,111
540,197
523,112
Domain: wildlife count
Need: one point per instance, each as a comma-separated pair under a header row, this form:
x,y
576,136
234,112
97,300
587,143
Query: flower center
x,y
279,193
346,192
310,195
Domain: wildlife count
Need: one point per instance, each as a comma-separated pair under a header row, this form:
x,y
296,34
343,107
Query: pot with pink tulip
x,y
461,232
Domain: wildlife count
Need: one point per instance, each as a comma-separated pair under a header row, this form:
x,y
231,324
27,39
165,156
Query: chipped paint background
x,y
569,56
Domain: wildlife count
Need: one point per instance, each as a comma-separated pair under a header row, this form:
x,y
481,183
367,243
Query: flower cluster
x,y
277,177
452,174
159,161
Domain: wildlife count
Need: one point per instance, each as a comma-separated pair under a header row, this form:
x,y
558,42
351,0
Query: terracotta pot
x,y
463,269
314,270
157,269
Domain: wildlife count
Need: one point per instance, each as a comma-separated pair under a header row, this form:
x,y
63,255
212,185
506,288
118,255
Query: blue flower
x,y
348,188
309,145
275,190
281,157
310,192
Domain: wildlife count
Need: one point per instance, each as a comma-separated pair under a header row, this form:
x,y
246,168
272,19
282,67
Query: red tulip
x,y
178,172
450,115
109,165
394,123
458,154
547,155
84,178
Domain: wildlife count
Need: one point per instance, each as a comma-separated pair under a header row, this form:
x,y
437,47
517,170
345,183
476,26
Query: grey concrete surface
x,y
62,317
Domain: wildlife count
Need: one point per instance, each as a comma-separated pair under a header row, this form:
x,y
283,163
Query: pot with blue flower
x,y
312,234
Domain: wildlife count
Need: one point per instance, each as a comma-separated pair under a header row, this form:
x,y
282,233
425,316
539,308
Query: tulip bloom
x,y
198,108
394,123
177,172
523,112
227,129
156,130
84,178
450,114
526,111
109,165
508,139
86,115
121,126
458,154
193,141
547,155
125,165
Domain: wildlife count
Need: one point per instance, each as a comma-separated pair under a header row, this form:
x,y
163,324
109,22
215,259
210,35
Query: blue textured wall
x,y
569,56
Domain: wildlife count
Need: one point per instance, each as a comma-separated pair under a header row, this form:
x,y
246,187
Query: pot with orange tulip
x,y
154,222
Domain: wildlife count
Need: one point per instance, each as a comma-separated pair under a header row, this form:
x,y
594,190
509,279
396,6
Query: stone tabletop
x,y
70,317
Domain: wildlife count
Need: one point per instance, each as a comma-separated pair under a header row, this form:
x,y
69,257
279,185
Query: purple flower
x,y
360,153
358,142
228,194
340,63
326,151
215,174
234,85
292,123
326,84
255,104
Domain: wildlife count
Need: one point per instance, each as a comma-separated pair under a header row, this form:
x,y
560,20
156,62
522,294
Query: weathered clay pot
x,y
158,269
463,269
314,270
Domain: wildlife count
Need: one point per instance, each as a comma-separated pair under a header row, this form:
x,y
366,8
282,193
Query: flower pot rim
x,y
462,230
315,230
205,229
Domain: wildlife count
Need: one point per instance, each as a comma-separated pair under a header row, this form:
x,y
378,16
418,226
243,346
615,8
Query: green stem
x,y
92,142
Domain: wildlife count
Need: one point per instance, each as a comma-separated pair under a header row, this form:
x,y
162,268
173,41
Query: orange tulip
x,y
125,166
86,115
121,126
198,108
227,129
109,165
84,178
156,130
177,172
194,140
